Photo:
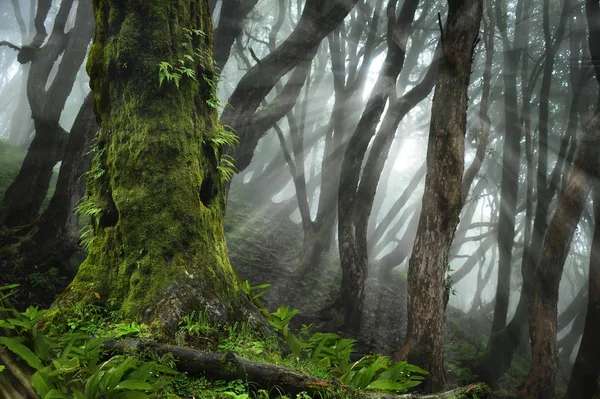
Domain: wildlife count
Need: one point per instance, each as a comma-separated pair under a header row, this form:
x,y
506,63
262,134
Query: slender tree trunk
x,y
231,23
353,241
442,200
318,19
541,379
511,151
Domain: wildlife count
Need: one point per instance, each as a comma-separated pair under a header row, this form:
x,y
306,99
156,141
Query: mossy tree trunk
x,y
442,199
156,187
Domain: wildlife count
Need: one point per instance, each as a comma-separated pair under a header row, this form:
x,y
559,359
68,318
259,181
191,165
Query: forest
x,y
298,199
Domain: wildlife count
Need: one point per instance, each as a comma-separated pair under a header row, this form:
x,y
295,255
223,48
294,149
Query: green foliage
x,y
196,323
96,170
71,366
375,373
256,291
173,74
213,84
331,352
46,280
218,142
90,319
133,329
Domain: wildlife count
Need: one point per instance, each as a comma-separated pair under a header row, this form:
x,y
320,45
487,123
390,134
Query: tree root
x,y
229,366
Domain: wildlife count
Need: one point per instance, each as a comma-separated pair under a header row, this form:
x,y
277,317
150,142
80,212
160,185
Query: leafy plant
x,y
256,291
218,142
87,207
133,329
196,323
375,372
69,365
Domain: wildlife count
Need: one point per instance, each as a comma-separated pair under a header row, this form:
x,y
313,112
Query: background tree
x,y
442,201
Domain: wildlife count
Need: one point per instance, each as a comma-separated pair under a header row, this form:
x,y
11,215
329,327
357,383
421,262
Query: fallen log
x,y
229,366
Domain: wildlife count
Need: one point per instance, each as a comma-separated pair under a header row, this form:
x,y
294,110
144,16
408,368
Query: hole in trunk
x,y
207,191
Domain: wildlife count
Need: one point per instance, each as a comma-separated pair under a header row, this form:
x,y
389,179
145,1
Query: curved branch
x,y
9,44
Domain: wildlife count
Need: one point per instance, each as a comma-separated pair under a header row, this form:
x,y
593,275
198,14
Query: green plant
x,y
90,319
256,291
330,351
375,372
168,72
96,170
87,207
133,329
236,389
218,142
47,280
196,323
69,365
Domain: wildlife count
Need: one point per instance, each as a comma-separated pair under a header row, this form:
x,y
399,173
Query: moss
x,y
10,163
159,247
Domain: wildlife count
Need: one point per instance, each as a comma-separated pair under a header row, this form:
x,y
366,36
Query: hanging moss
x,y
158,248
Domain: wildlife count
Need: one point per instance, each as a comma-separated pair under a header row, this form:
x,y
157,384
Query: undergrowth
x,y
73,364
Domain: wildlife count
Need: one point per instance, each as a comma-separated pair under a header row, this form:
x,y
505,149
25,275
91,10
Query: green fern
x,y
218,142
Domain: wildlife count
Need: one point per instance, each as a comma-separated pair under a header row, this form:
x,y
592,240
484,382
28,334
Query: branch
x,y
9,44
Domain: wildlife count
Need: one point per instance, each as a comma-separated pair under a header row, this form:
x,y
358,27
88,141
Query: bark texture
x,y
352,235
23,199
541,379
156,190
442,200
318,19
586,371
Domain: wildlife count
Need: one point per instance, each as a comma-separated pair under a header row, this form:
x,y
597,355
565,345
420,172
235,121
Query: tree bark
x,y
541,379
231,23
353,249
318,19
586,371
442,200
155,191
57,230
23,199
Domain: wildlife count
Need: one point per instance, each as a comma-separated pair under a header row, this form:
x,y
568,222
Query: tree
x,y
541,379
156,190
23,199
352,235
442,200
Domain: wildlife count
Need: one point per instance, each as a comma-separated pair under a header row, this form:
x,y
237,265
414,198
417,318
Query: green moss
x,y
159,247
10,163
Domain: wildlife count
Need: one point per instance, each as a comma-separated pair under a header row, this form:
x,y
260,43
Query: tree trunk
x,y
353,240
23,199
511,150
231,23
541,379
442,200
156,190
586,371
57,230
318,19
